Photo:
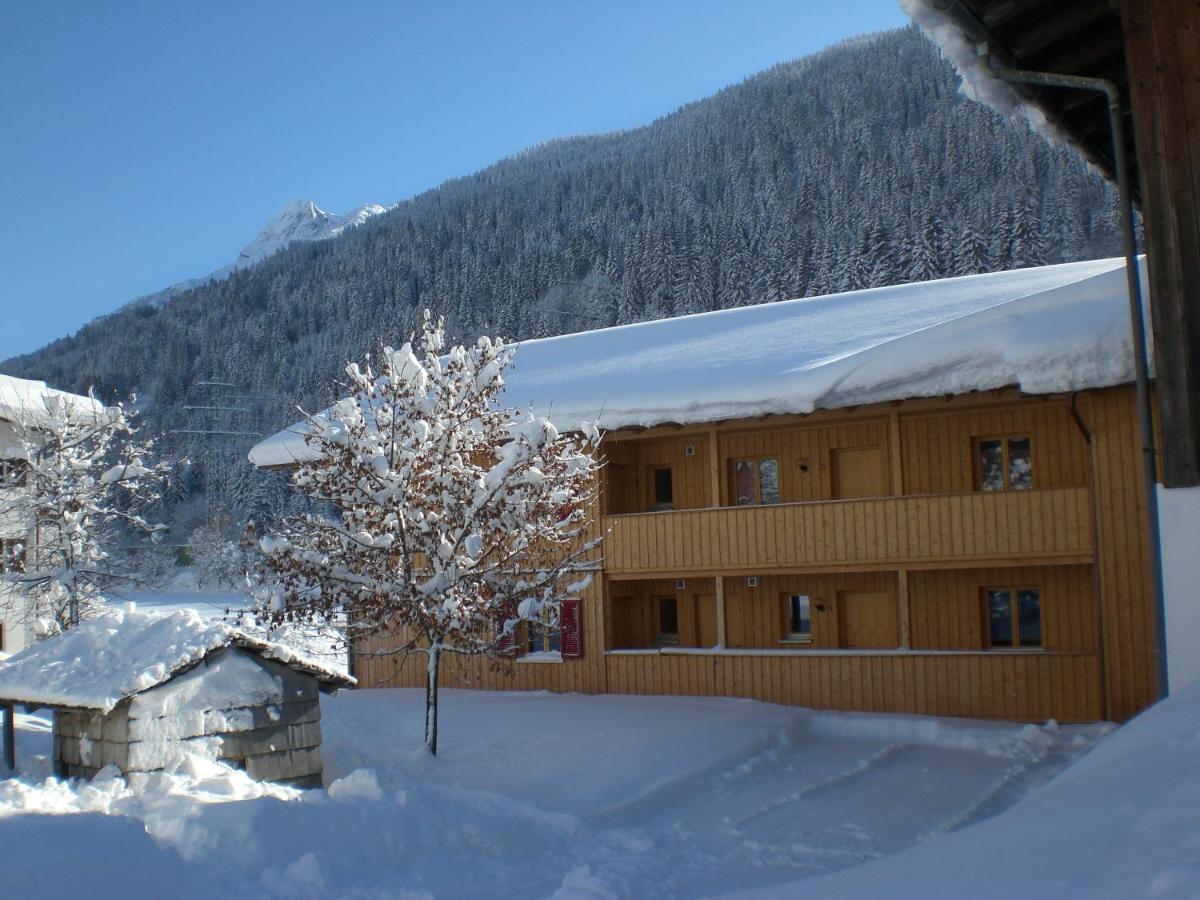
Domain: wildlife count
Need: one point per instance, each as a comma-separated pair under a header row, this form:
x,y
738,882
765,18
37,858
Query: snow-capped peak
x,y
298,220
301,220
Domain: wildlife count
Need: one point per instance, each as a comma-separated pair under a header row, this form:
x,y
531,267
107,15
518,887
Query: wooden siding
x,y
890,532
754,616
931,552
628,464
1122,573
633,609
1014,686
804,455
946,612
938,449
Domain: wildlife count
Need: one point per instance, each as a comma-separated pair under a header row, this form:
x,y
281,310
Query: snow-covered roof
x,y
33,403
125,652
1046,329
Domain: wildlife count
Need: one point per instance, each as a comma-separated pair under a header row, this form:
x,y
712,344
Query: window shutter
x,y
507,645
570,623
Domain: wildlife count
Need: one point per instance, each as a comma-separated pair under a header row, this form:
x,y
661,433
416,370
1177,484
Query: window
x,y
668,620
542,639
12,556
1004,464
798,609
1014,617
12,472
662,488
755,481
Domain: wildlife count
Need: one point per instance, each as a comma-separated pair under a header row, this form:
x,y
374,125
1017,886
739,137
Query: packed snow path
x,y
538,795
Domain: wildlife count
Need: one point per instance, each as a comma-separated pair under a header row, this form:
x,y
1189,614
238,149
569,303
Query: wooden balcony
x,y
919,532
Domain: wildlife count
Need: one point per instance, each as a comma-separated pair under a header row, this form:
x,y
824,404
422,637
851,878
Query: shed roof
x,y
1047,329
126,652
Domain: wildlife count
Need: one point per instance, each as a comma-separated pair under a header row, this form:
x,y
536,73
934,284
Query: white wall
x,y
12,525
1179,521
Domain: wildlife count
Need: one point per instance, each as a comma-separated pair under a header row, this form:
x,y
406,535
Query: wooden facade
x,y
852,559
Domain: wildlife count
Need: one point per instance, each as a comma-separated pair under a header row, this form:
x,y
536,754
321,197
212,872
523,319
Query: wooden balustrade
x,y
933,531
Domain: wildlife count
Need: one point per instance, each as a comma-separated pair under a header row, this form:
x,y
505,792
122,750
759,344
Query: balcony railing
x,y
882,532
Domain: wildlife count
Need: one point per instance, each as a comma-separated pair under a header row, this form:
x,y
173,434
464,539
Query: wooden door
x,y
706,620
858,472
620,489
869,620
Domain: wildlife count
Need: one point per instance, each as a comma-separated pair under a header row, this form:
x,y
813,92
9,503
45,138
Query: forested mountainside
x,y
859,166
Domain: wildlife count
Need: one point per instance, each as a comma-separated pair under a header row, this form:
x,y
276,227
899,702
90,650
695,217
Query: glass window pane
x,y
991,466
801,618
768,481
664,491
743,482
535,637
1029,618
1020,464
668,617
999,605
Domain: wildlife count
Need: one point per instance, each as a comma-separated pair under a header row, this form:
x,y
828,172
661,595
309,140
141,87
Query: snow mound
x,y
1046,329
124,652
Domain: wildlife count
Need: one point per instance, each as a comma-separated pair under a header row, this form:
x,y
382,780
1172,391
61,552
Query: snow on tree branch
x,y
81,484
453,519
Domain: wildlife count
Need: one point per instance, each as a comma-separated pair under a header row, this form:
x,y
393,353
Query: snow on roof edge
x,y
1044,329
126,652
977,81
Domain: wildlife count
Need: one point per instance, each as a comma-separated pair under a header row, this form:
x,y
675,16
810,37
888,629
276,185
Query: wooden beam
x,y
719,591
714,466
1162,48
902,602
896,454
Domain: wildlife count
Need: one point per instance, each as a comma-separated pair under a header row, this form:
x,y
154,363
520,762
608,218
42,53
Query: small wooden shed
x,y
139,691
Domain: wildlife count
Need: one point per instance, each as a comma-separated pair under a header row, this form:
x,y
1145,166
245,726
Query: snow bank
x,y
1124,821
545,795
125,652
1046,329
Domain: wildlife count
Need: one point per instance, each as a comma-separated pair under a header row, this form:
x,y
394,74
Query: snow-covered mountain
x,y
298,220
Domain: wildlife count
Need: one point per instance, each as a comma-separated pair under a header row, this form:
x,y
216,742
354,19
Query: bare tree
x,y
454,519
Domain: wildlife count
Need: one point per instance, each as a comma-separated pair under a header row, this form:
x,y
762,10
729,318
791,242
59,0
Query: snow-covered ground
x,y
537,795
541,795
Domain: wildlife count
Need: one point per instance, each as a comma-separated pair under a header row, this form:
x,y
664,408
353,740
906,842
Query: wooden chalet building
x,y
920,499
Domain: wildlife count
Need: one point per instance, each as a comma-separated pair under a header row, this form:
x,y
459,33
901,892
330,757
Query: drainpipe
x,y
1138,328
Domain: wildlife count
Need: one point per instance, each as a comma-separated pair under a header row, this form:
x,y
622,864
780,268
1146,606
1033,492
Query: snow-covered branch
x,y
454,519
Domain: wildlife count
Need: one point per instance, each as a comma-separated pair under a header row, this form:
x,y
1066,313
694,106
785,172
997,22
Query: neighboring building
x,y
23,407
138,690
922,499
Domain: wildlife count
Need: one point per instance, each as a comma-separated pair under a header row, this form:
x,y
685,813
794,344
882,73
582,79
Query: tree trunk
x,y
431,696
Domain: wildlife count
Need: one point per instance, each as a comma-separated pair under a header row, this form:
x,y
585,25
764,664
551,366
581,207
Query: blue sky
x,y
146,142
